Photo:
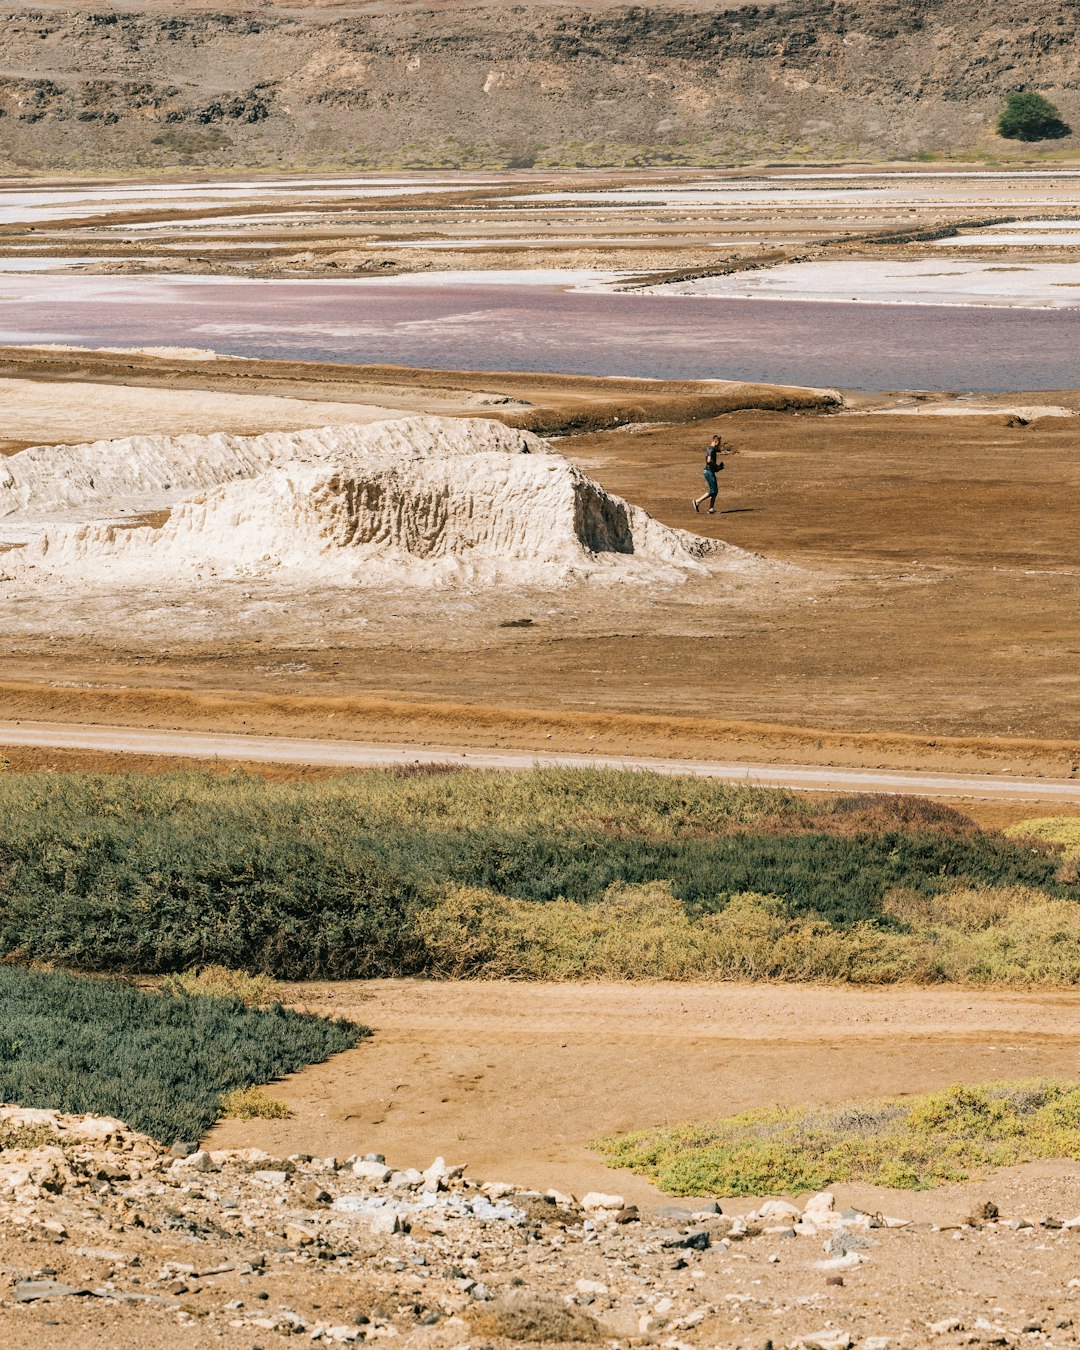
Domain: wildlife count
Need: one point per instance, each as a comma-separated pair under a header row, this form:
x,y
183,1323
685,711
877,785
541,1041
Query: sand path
x,y
515,1079
356,754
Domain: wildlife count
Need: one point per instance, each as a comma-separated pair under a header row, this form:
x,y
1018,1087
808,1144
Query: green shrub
x,y
158,1061
356,876
910,1142
1030,117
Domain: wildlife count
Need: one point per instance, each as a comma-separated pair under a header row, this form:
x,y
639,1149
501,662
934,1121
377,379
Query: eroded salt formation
x,y
423,500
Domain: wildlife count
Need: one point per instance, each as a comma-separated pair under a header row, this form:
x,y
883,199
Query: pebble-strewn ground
x,y
108,1240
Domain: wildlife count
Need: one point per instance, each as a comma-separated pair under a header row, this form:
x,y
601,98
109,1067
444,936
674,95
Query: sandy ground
x,y
937,597
516,1079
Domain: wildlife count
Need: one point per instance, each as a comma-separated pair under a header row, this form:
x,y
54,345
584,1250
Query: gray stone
x,y
30,1291
843,1242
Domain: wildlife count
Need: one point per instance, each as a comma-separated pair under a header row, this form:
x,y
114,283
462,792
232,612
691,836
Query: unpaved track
x,y
516,1078
358,755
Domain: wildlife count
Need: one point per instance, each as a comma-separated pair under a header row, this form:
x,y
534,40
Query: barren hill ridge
x,y
102,87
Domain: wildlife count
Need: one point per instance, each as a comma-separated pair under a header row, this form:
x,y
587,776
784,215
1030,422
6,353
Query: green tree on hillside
x,y
1030,117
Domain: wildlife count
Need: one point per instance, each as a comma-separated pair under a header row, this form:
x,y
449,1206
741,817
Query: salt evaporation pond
x,y
548,329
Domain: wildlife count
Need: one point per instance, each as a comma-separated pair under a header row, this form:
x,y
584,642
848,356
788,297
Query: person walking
x,y
713,465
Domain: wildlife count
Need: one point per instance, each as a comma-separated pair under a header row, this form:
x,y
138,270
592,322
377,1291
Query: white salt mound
x,y
422,500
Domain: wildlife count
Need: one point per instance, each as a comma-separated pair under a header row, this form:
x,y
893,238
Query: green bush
x,y
158,1061
909,1142
1030,117
337,878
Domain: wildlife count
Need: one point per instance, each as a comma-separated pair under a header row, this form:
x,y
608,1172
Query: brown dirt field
x,y
515,1079
934,624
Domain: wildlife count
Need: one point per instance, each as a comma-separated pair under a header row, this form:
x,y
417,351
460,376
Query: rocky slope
x,y
147,87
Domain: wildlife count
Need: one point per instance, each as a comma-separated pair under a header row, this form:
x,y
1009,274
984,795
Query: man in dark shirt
x,y
713,465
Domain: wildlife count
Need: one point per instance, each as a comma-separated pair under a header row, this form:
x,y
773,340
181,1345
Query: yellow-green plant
x,y
254,991
252,1103
909,1142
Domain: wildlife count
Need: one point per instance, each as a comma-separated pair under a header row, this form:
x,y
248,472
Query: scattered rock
x,y
945,1326
825,1340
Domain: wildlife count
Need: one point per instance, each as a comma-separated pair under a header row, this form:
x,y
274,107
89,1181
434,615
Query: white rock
x,y
96,1127
598,1200
270,1177
822,1203
779,1209
194,1162
371,1171
590,1287
825,1340
561,1198
945,1326
848,1262
29,1115
498,1189
875,1343
384,1222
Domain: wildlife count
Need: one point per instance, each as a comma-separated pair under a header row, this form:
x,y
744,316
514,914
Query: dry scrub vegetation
x,y
971,935
909,1142
222,882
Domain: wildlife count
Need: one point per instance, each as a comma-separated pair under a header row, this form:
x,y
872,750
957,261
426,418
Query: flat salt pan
x,y
1061,239
1036,286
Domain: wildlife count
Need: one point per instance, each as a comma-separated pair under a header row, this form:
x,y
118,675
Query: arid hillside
x,y
101,87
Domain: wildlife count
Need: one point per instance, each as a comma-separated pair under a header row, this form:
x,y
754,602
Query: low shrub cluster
x,y
978,936
908,1142
161,1062
553,873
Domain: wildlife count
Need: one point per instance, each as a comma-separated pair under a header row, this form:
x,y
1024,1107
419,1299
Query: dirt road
x,y
357,755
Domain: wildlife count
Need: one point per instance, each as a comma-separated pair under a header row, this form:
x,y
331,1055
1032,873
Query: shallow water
x,y
542,328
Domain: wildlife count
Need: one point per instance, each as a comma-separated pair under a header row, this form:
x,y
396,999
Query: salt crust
x,y
415,501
